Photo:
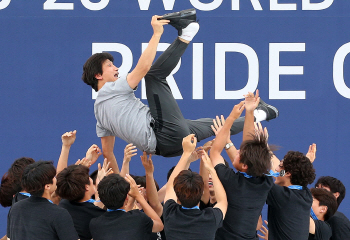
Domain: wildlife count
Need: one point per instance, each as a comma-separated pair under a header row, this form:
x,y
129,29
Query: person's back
x,y
289,213
340,225
246,198
121,225
37,218
82,213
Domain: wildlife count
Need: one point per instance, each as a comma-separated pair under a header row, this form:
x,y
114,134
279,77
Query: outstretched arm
x,y
218,124
107,149
129,151
251,102
145,62
221,138
68,139
220,193
151,189
188,144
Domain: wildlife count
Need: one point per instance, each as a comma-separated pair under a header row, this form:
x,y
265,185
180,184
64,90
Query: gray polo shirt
x,y
119,113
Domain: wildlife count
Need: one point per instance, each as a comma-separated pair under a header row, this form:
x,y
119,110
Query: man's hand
x,y
158,25
251,101
68,138
189,143
207,162
92,154
237,110
311,154
84,161
218,124
134,190
129,151
260,131
264,231
207,145
104,171
147,163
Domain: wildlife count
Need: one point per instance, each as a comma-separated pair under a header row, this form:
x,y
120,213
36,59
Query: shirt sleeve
x,y
101,132
168,207
322,230
219,217
224,173
148,223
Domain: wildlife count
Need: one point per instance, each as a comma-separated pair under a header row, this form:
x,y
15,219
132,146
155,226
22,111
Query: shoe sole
x,y
180,15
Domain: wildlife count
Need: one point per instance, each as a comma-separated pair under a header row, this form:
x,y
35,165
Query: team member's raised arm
x,y
221,138
189,145
68,139
251,102
145,62
220,193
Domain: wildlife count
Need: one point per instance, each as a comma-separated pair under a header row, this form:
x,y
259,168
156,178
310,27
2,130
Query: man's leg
x,y
170,127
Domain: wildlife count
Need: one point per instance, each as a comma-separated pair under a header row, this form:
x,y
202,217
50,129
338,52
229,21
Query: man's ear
x,y
336,194
87,187
98,76
323,209
244,166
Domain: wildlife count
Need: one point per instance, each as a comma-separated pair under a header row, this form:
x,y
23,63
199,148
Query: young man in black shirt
x,y
182,217
246,189
118,224
340,224
324,206
289,201
37,217
75,187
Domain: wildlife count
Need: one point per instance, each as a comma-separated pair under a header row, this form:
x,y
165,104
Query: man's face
x,y
280,180
236,161
109,71
53,186
317,208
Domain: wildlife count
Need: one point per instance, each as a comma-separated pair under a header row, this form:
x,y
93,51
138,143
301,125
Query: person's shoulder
x,y
338,218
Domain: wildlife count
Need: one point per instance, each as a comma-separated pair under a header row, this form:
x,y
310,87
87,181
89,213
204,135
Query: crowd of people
x,y
219,202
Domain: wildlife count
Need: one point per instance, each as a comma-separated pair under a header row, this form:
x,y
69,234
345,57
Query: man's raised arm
x,y
145,62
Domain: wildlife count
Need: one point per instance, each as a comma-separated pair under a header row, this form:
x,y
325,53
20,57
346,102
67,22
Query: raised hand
x,y
207,162
237,110
129,151
251,101
104,170
260,131
68,138
158,25
311,154
134,190
147,163
218,123
189,143
93,153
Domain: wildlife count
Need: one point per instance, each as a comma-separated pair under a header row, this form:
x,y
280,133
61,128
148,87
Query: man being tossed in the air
x,y
159,128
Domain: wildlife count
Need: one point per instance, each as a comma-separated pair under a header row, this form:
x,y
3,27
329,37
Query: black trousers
x,y
170,126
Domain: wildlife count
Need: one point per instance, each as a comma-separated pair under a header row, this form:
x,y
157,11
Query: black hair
x,y
36,176
113,190
93,66
334,185
327,199
299,166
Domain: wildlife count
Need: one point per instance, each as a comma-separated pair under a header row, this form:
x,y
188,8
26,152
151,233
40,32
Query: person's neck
x,y
86,198
46,195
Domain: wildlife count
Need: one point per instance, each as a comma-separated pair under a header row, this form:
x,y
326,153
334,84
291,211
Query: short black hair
x,y
188,187
36,176
113,190
141,180
327,199
71,182
93,176
256,154
334,185
93,66
299,166
11,181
